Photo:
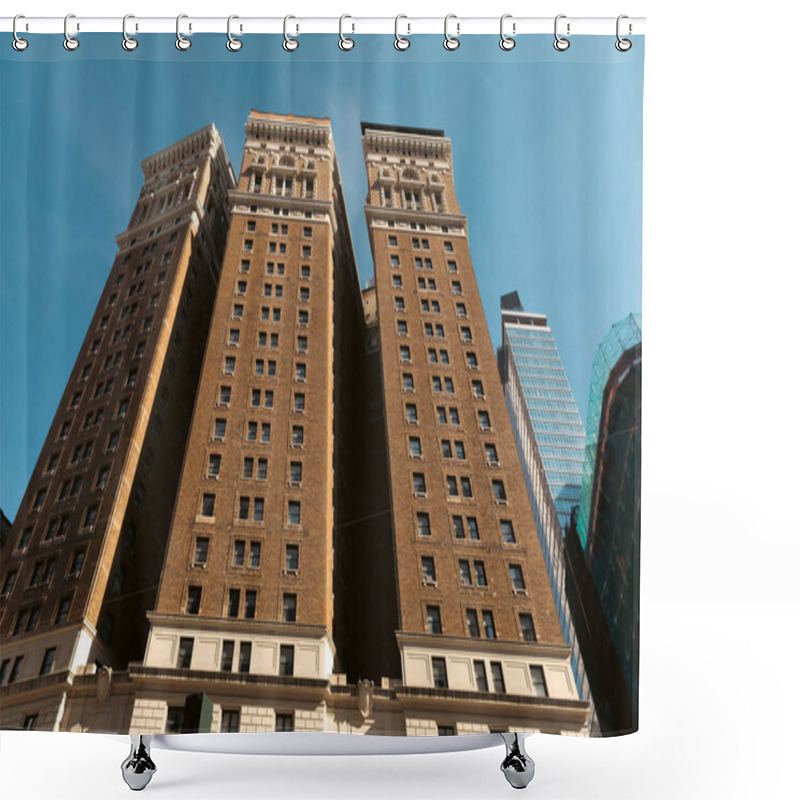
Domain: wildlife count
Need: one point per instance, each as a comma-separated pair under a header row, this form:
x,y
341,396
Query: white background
x,y
720,603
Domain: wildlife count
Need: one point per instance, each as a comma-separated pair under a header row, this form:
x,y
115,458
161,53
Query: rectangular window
x,y
255,555
472,623
193,600
284,722
16,669
434,619
230,721
289,607
428,570
499,490
296,473
466,484
258,509
250,597
226,663
219,429
415,447
507,531
185,649
526,625
458,527
517,578
452,486
439,667
491,454
480,574
244,507
419,484
247,467
262,469
201,550
411,413
238,553
472,524
233,602
537,681
224,395
465,572
292,561
63,611
245,651
423,524
266,429
481,681
488,625
214,464
286,660
47,661
294,512
497,677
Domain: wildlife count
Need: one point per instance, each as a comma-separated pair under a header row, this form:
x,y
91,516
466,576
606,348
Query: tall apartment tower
x,y
475,615
88,540
550,441
245,606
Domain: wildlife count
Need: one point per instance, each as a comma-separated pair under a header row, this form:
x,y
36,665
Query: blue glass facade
x,y
551,407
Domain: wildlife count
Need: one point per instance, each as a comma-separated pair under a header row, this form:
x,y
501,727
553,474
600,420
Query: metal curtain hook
x,y
400,42
128,42
19,44
289,44
506,42
233,44
70,42
181,42
561,43
623,45
450,42
345,42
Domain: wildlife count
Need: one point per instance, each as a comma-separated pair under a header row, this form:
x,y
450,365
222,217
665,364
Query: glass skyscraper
x,y
549,401
551,444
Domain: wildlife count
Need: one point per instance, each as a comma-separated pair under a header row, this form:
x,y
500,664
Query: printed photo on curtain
x,y
321,385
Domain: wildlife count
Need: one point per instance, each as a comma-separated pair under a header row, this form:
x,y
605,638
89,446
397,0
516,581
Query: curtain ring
x,y
561,43
345,42
400,42
233,44
623,45
70,42
181,42
451,42
19,44
289,44
128,42
506,42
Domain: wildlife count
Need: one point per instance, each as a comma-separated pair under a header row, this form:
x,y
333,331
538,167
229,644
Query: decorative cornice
x,y
292,130
406,143
207,137
272,200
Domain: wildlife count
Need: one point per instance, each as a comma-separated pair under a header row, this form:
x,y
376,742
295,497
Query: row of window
x,y
257,432
465,530
280,186
421,263
251,509
421,244
243,603
255,468
466,568
453,450
432,305
479,623
28,617
498,685
230,720
276,248
443,384
46,667
459,486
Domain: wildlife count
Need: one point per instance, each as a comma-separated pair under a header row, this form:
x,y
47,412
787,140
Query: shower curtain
x,y
321,398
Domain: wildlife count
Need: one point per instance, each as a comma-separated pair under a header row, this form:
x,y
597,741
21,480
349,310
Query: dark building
x,y
602,543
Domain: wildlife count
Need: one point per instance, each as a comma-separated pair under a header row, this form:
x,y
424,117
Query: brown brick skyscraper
x,y
84,557
245,606
476,614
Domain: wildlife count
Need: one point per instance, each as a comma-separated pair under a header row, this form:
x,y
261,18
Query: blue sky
x,y
547,151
